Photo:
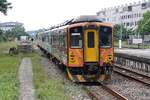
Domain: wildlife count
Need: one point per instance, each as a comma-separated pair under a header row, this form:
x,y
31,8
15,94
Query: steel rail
x,y
119,66
132,75
113,92
91,94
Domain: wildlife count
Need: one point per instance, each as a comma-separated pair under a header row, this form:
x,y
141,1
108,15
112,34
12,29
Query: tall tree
x,y
120,32
4,6
2,36
144,24
16,32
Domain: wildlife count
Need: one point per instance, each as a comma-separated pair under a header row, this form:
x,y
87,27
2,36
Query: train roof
x,y
80,19
91,18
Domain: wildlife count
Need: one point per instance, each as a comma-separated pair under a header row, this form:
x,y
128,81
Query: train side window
x,y
76,37
105,36
43,39
50,39
47,38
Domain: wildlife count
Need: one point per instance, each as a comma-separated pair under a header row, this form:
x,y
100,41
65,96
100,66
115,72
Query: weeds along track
x,y
132,75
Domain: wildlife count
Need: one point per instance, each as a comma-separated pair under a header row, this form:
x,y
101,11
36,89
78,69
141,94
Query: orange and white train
x,y
83,46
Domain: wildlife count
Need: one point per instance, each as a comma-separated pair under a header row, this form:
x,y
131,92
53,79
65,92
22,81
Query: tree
x,y
120,32
2,36
4,6
1,33
144,24
15,32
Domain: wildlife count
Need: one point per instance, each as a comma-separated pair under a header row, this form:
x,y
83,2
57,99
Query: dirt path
x,y
25,77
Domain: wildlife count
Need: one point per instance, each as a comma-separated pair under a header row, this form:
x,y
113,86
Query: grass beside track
x,y
46,88
9,82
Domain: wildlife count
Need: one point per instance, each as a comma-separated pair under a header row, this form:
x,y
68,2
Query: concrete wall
x,y
133,62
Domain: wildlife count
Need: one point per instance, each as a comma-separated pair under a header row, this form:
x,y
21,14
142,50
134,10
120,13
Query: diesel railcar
x,y
83,46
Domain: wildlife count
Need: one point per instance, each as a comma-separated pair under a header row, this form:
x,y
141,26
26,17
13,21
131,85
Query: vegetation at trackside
x,y
144,24
45,87
120,32
9,82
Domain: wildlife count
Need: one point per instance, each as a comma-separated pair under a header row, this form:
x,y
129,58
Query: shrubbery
x,y
10,35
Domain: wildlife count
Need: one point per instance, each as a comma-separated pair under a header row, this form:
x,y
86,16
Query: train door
x,y
91,46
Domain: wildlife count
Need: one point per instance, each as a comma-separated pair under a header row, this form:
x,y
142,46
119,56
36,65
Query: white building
x,y
9,25
128,14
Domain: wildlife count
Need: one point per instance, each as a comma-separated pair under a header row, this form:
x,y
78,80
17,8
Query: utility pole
x,y
120,38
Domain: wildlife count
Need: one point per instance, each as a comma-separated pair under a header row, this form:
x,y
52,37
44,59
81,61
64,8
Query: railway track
x,y
114,93
132,74
91,94
95,96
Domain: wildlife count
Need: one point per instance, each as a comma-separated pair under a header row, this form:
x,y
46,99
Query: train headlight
x,y
109,57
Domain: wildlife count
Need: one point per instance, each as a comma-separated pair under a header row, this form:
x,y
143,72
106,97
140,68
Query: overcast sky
x,y
37,14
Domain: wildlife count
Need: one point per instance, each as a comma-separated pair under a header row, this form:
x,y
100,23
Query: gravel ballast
x,y
131,89
73,90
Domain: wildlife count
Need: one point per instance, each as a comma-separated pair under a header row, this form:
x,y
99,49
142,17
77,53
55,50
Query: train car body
x,y
84,46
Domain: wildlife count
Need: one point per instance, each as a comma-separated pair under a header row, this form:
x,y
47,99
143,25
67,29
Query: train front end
x,y
90,52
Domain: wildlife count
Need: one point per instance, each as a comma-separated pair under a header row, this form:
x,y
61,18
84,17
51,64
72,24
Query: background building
x,y
128,14
9,25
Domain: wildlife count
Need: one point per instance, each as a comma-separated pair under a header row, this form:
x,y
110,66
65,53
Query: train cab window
x,y
105,36
76,37
76,41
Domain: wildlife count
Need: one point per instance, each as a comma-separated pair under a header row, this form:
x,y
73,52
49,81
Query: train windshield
x,y
76,37
105,36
